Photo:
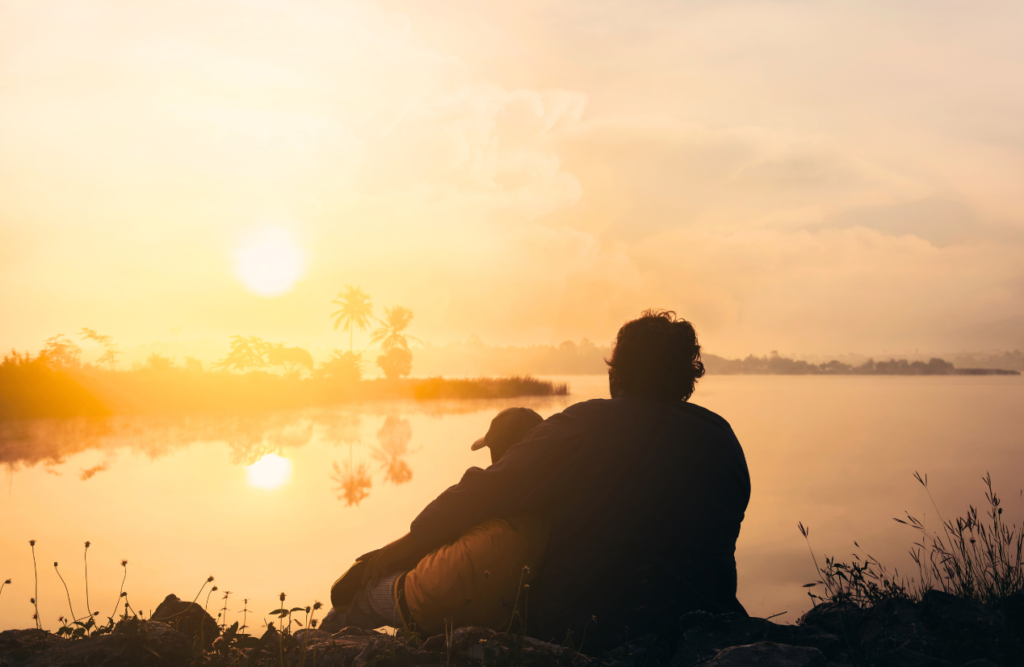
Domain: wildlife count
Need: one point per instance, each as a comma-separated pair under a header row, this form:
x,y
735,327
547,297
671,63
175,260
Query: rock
x,y
896,626
188,618
968,629
768,654
305,636
647,650
462,639
336,651
394,653
703,635
1012,607
17,646
133,643
842,619
907,657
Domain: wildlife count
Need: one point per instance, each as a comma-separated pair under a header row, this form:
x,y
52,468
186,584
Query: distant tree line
x,y
473,357
774,364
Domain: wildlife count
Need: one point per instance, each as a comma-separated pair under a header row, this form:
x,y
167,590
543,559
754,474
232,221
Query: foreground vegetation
x,y
966,607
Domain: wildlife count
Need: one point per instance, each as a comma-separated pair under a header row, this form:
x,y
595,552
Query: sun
x,y
269,262
269,472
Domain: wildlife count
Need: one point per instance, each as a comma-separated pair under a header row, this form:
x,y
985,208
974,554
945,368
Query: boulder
x,y
387,650
16,646
893,632
841,619
968,630
768,654
703,635
1012,608
133,643
188,618
907,657
647,650
305,636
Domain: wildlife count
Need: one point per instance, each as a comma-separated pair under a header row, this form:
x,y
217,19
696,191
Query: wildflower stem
x,y
117,603
73,617
86,559
35,571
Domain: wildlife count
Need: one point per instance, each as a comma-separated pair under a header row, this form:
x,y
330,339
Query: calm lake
x,y
180,498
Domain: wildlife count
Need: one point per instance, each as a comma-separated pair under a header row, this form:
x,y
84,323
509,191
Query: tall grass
x,y
977,557
974,557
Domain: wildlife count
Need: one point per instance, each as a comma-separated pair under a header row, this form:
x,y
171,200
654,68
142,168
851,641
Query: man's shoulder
x,y
610,408
702,414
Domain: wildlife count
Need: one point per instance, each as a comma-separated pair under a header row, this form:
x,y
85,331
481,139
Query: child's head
x,y
507,428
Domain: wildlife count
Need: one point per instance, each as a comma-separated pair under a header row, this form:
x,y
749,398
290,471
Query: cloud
x,y
88,473
836,289
525,172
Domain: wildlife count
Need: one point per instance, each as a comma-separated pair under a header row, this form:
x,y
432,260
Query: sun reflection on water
x,y
269,472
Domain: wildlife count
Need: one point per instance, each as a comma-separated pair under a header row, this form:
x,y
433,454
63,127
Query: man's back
x,y
647,498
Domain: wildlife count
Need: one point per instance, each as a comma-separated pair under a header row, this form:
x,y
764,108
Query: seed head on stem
x,y
35,571
86,560
70,606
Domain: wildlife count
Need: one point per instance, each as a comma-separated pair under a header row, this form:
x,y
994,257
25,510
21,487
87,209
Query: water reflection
x,y
269,472
352,481
394,437
250,437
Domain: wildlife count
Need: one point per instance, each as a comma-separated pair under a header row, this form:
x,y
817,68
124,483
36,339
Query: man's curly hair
x,y
656,356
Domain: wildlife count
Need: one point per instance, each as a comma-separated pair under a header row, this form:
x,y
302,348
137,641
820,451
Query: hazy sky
x,y
801,176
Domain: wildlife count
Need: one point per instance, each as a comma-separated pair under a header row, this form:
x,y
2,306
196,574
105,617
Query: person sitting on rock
x,y
480,579
646,492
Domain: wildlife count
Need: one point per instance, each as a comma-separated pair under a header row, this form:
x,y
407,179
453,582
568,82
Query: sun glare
x,y
269,262
269,472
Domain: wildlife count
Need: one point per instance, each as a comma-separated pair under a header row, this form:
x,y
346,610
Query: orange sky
x,y
808,177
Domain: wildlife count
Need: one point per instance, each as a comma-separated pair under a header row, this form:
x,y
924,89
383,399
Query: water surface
x,y
180,498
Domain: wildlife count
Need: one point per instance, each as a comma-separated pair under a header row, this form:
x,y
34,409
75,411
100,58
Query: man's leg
x,y
372,607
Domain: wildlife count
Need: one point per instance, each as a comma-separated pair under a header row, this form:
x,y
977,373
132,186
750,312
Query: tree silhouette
x,y
158,362
390,334
61,352
396,363
291,359
247,353
355,312
346,367
397,358
110,349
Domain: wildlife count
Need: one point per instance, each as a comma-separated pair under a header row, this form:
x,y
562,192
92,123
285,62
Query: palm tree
x,y
389,334
355,312
247,353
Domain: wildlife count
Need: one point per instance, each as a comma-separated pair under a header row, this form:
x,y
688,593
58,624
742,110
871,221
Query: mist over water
x,y
285,500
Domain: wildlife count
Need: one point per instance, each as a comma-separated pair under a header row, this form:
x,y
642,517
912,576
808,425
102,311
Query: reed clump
x,y
978,557
502,387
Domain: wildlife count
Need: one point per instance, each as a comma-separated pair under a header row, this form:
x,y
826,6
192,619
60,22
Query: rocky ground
x,y
939,631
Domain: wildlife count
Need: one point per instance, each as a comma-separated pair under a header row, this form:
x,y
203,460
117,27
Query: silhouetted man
x,y
646,492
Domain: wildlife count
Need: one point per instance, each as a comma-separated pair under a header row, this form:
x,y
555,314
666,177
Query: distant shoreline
x,y
777,365
32,391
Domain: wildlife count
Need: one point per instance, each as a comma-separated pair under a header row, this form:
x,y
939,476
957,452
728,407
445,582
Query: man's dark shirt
x,y
646,497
